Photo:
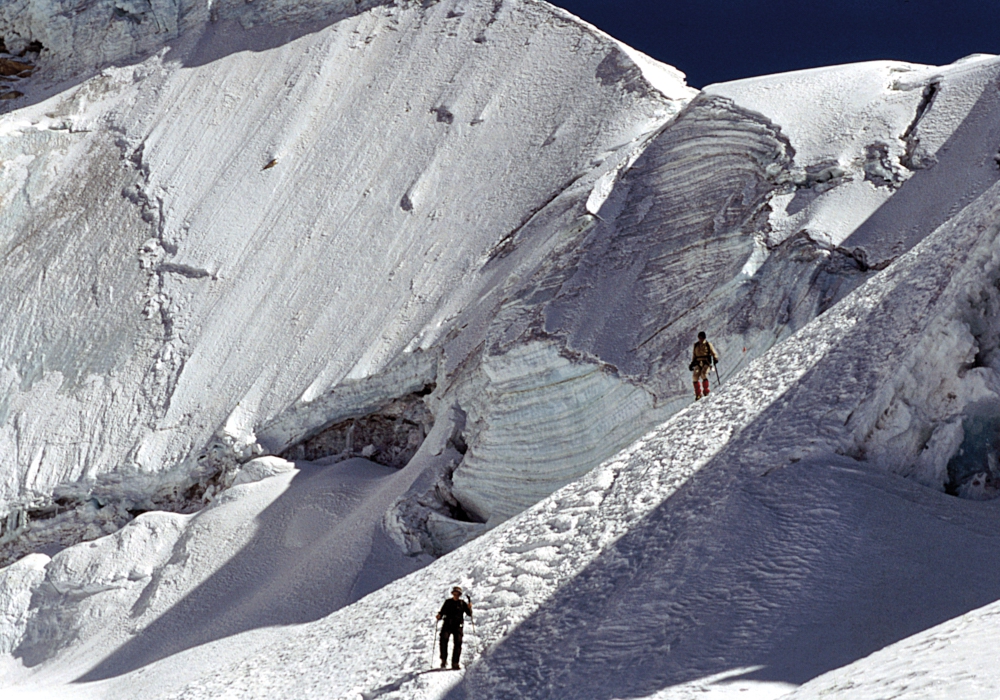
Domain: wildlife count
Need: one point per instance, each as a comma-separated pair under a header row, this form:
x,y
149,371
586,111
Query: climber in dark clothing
x,y
453,613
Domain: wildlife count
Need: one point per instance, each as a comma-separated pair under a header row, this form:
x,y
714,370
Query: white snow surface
x,y
861,130
949,660
232,230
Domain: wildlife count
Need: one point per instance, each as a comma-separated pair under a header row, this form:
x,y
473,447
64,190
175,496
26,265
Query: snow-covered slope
x,y
737,543
951,660
206,242
860,131
260,556
443,261
738,540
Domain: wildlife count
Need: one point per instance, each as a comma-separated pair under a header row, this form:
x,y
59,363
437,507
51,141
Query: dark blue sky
x,y
716,40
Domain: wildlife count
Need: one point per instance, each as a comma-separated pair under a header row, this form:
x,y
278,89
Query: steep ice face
x,y
536,421
203,245
675,234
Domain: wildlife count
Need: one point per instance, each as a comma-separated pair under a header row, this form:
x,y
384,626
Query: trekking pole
x,y
434,642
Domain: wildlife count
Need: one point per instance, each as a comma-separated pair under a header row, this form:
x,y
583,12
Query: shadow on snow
x,y
301,565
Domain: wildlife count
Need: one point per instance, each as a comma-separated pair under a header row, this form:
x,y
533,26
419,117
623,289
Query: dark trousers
x,y
456,651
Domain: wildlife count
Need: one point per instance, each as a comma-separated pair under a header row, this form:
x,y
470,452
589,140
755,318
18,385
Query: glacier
x,y
315,309
185,369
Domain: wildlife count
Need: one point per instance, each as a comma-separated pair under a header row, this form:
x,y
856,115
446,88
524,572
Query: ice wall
x,y
537,421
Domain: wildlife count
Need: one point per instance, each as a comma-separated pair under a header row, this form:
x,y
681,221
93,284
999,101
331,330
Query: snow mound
x,y
261,468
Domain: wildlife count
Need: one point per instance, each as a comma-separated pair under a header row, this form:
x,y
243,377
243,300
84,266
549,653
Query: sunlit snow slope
x,y
442,263
202,245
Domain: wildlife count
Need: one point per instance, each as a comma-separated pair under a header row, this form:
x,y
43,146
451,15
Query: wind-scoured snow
x,y
454,254
950,660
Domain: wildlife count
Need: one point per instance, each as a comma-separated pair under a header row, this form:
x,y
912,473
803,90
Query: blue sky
x,y
717,40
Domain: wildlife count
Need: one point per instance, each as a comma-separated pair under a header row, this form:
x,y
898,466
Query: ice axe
x,y
472,619
718,379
